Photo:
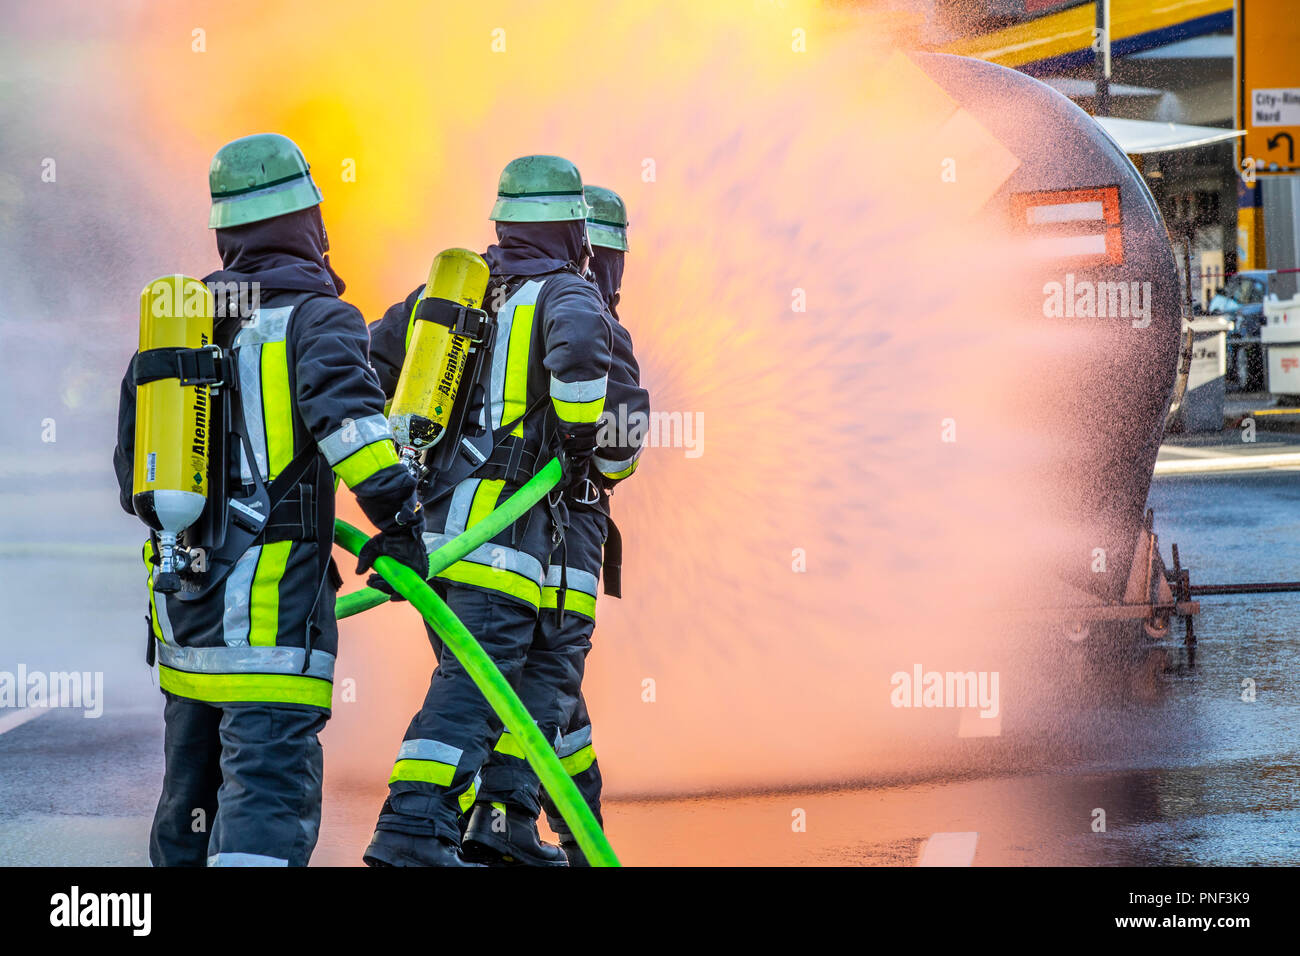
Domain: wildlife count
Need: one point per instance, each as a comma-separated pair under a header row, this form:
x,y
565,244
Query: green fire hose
x,y
485,674
508,512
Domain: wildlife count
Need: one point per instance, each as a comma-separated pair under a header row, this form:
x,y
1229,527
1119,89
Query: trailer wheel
x,y
1157,628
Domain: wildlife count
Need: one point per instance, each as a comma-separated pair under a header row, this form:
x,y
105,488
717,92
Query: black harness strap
x,y
612,563
294,518
202,366
512,459
270,505
462,320
251,515
501,455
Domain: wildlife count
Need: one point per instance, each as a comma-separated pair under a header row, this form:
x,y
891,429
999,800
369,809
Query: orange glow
x,y
802,281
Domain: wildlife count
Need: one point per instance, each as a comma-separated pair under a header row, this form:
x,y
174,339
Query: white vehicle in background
x,y
1280,336
1241,302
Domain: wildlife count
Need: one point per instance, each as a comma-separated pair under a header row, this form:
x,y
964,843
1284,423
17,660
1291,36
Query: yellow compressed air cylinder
x,y
172,420
435,358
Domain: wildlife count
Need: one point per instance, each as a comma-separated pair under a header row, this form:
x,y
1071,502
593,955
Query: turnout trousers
x,y
449,739
242,785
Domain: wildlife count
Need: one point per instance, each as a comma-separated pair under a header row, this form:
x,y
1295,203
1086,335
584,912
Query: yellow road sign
x,y
1268,84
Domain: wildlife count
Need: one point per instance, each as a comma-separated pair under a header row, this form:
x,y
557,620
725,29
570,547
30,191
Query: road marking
x,y
19,717
949,849
1229,463
1186,454
56,549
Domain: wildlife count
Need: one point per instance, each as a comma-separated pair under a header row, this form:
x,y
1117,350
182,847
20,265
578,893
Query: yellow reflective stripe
x,y
577,601
153,609
485,499
580,413
494,579
507,745
264,596
360,465
423,771
277,407
153,605
410,328
466,799
247,688
515,394
576,763
615,476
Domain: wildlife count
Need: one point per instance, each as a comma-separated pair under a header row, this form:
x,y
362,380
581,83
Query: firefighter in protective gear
x,y
246,659
497,832
543,392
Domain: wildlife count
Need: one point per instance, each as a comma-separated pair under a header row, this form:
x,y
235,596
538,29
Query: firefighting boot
x,y
389,848
574,852
507,836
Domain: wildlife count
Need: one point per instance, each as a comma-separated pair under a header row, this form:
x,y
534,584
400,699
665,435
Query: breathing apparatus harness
x,y
470,450
581,488
284,509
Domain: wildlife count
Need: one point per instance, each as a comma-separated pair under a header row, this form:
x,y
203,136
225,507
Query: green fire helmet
x,y
259,177
607,221
539,189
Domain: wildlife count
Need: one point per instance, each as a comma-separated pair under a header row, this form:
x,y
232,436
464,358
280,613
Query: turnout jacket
x,y
575,566
267,633
626,419
547,374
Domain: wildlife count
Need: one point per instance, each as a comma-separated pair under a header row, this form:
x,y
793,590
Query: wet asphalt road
x,y
1214,778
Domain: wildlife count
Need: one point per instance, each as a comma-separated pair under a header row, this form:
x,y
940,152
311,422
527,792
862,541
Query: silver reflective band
x,y
495,556
587,391
570,744
354,436
609,466
576,580
429,750
458,510
526,294
250,397
238,593
164,621
246,660
266,325
245,859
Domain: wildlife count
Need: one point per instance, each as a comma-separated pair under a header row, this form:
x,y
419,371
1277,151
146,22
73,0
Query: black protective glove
x,y
403,543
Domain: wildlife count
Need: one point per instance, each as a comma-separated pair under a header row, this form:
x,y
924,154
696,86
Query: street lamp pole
x,y
1101,45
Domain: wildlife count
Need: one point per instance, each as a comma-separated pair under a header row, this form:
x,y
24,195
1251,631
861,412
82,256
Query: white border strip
x,y
949,849
1180,466
19,717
